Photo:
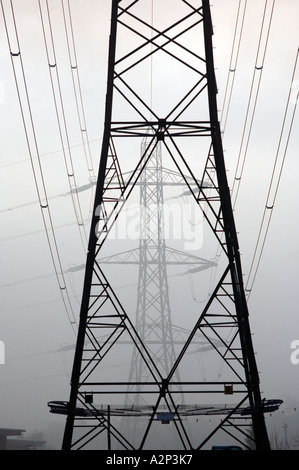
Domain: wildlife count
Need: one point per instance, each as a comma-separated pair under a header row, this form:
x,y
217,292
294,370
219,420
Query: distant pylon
x,y
184,122
153,316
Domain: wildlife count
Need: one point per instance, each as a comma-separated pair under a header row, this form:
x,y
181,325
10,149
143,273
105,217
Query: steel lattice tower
x,y
153,315
186,126
153,307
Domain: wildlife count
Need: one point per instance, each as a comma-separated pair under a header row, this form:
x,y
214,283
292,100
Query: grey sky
x,y
34,322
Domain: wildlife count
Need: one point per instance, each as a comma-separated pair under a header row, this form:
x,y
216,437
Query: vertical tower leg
x,y
233,254
92,246
185,123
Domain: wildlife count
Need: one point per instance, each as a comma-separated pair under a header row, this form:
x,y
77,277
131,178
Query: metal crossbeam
x,y
184,123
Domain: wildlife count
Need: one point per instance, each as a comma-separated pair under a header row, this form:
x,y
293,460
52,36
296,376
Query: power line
x,y
74,67
47,154
82,188
269,206
68,162
237,179
232,68
235,52
37,171
257,68
77,89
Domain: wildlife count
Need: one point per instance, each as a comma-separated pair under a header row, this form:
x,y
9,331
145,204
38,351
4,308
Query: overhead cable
x,y
32,144
269,205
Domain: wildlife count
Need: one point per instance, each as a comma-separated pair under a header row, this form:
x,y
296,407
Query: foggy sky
x,y
34,324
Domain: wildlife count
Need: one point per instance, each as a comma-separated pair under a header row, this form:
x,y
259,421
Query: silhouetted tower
x,y
153,312
184,122
153,307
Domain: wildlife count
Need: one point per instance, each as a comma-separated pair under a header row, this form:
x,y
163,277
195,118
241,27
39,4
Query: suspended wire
x,y
79,188
68,164
270,204
41,199
34,202
29,306
77,90
235,51
232,69
47,154
151,77
37,172
35,232
256,68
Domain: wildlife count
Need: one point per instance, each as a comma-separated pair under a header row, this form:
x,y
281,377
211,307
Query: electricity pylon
x,y
185,122
153,314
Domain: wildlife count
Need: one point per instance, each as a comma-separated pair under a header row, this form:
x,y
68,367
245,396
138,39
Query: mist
x,y
38,315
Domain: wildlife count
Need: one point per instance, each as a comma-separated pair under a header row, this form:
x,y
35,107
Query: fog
x,y
38,317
